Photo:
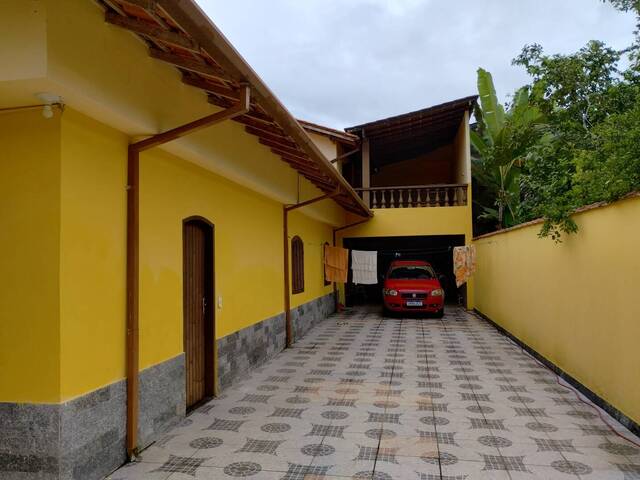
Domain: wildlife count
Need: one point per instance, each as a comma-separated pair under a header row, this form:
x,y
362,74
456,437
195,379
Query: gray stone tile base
x,y
308,315
249,348
162,399
85,438
253,346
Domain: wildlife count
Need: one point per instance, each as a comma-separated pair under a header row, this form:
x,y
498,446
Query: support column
x,y
366,172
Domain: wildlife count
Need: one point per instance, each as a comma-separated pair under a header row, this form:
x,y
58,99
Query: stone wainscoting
x,y
253,346
85,438
162,399
308,315
249,348
80,439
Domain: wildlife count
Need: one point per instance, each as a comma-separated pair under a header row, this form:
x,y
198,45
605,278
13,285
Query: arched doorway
x,y
198,309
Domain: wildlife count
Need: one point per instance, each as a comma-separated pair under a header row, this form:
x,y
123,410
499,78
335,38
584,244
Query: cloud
x,y
345,62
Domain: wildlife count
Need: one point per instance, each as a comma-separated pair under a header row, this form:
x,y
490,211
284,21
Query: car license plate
x,y
414,303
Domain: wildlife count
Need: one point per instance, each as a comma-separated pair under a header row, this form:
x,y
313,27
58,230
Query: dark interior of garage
x,y
437,250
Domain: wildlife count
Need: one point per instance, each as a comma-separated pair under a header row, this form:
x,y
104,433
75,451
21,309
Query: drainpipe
x,y
133,247
285,228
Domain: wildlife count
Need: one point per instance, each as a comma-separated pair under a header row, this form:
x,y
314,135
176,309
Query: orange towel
x,y
464,263
336,264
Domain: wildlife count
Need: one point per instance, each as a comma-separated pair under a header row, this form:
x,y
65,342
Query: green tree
x,y
583,95
502,141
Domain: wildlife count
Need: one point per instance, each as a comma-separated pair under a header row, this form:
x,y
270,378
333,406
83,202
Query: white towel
x,y
365,267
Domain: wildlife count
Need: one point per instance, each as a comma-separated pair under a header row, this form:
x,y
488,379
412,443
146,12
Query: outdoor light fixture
x,y
48,100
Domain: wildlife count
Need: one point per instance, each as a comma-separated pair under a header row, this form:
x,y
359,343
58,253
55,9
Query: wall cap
x,y
537,221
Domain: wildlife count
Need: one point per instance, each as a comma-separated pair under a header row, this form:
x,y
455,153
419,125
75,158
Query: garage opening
x,y
435,249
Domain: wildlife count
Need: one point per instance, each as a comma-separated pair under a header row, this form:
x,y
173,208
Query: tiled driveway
x,y
364,397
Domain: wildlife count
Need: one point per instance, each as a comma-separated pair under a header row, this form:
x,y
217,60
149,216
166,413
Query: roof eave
x,y
192,18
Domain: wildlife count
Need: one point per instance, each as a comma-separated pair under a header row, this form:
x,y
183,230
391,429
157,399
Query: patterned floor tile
x,y
363,397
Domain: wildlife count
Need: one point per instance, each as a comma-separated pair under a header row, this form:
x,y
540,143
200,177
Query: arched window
x,y
297,265
324,253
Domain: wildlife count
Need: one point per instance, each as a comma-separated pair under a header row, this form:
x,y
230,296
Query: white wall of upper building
x,y
326,145
65,47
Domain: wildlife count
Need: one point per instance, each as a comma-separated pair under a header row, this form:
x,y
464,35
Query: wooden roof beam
x,y
303,164
149,8
269,136
444,117
253,113
115,7
191,127
209,86
153,32
271,128
188,64
143,4
285,149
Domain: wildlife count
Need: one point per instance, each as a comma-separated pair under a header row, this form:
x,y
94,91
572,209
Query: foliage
x,y
502,141
586,146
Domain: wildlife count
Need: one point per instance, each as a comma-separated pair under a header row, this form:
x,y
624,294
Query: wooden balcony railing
x,y
449,195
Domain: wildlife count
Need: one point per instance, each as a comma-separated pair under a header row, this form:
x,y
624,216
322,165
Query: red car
x,y
412,286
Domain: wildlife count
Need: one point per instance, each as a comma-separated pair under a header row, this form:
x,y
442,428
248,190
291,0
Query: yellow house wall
x,y
93,254
248,251
23,23
314,234
30,245
64,206
575,303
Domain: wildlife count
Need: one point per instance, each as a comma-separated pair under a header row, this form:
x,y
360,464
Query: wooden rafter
x,y
271,128
270,137
185,63
210,86
153,32
303,164
253,113
147,5
285,149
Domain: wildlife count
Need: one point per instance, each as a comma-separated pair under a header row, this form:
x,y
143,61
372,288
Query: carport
x,y
435,249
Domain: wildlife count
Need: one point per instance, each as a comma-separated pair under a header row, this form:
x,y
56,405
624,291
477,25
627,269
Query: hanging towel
x,y
336,264
365,267
464,263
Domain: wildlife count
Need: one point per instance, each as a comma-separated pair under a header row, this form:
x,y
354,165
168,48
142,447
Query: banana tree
x,y
502,139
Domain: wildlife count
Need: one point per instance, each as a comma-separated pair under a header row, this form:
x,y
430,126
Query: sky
x,y
345,62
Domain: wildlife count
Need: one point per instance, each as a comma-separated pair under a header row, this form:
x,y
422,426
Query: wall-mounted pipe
x,y
285,229
133,248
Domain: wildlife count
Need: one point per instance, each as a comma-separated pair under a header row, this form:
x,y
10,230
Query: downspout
x,y
285,229
133,247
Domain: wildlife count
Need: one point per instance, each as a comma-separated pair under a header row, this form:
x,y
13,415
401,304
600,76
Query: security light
x,y
49,99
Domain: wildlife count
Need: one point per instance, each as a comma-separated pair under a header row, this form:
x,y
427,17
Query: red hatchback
x,y
412,286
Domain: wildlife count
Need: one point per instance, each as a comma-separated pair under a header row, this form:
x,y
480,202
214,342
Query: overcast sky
x,y
345,62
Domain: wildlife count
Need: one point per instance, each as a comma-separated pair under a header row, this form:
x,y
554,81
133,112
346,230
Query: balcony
x,y
414,196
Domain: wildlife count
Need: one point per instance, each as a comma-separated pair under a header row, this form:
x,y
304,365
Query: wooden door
x,y
198,326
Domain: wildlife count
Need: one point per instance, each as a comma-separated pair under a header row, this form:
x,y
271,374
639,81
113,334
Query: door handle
x,y
204,305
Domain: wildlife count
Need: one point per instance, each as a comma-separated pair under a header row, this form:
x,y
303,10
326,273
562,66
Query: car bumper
x,y
398,304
